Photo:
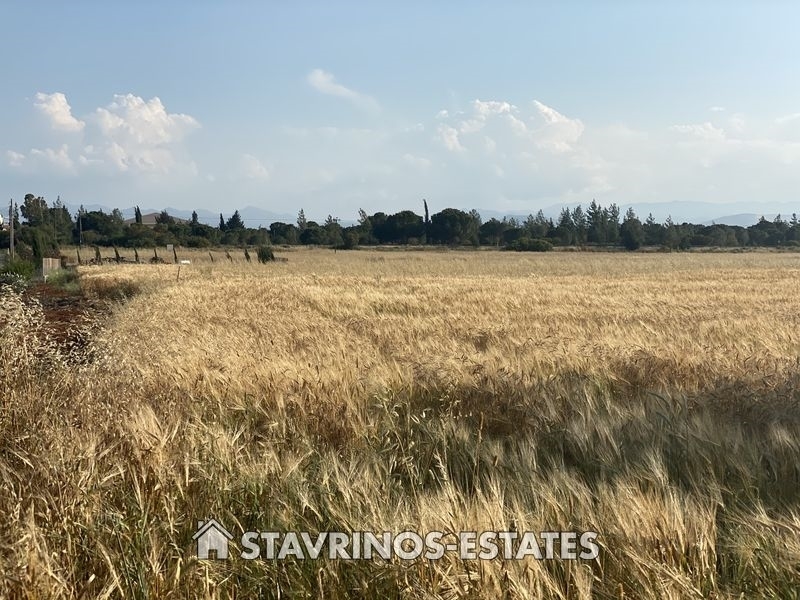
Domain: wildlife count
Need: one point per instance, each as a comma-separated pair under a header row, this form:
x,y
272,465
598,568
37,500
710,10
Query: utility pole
x,y
11,225
55,216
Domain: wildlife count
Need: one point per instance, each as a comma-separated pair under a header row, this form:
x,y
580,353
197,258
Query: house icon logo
x,y
212,537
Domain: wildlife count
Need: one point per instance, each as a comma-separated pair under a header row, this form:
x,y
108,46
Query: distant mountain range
x,y
730,213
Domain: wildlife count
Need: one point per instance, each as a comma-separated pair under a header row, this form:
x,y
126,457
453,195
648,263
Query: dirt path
x,y
66,312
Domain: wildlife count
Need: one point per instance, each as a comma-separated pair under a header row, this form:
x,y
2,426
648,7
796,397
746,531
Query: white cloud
x,y
132,119
482,112
449,137
58,158
717,109
253,168
442,114
517,125
127,135
15,159
139,135
559,133
325,82
58,111
471,125
491,107
787,118
417,161
54,160
703,131
85,161
737,123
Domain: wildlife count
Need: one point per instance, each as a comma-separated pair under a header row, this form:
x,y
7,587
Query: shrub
x,y
529,245
349,241
265,254
198,242
111,288
66,279
17,267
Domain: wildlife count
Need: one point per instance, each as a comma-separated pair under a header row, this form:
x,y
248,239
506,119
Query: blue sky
x,y
338,106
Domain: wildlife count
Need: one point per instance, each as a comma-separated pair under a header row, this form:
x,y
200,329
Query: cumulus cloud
x,y
491,107
140,135
482,112
550,130
131,118
15,159
703,131
559,133
58,111
53,159
127,135
326,83
253,168
449,137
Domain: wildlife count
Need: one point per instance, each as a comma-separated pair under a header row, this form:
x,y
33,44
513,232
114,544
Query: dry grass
x,y
651,398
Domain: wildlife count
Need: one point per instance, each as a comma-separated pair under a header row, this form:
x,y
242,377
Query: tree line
x,y
41,229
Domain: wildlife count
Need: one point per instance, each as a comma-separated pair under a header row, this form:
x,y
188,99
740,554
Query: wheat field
x,y
652,398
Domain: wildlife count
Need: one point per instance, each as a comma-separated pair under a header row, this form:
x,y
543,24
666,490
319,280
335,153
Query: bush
x,y
66,279
111,288
529,245
19,268
265,254
198,242
349,241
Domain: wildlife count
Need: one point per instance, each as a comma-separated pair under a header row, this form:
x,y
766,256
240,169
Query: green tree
x,y
455,227
164,218
492,232
596,220
60,223
283,233
235,223
364,230
579,219
612,224
314,235
35,210
565,230
403,227
672,238
653,231
631,232
333,231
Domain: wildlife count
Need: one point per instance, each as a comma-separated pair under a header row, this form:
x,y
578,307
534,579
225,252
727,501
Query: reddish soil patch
x,y
66,312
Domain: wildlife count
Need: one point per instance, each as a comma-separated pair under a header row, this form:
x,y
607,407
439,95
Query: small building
x,y
151,219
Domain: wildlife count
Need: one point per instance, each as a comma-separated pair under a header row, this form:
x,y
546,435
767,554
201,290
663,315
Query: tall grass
x,y
653,399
